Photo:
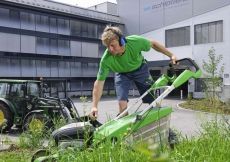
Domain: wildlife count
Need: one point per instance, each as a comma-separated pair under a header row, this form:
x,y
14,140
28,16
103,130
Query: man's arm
x,y
160,48
97,92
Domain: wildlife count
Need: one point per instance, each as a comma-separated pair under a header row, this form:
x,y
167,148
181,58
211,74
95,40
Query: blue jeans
x,y
141,78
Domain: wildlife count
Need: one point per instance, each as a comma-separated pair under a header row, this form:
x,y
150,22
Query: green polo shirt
x,y
129,61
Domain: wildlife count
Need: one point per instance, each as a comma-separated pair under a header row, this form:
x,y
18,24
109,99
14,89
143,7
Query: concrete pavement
x,y
182,120
187,122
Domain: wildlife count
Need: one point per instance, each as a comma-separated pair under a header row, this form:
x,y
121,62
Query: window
x,y
27,21
92,30
53,46
28,68
53,25
9,18
209,32
75,69
42,46
64,47
4,16
90,49
199,85
101,50
64,69
109,85
84,32
63,27
32,89
43,68
4,89
100,30
75,85
14,19
42,23
75,28
177,37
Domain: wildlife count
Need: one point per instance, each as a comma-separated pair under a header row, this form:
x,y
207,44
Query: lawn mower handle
x,y
187,74
164,79
191,61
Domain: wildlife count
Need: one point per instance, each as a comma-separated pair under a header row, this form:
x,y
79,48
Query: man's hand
x,y
93,113
174,59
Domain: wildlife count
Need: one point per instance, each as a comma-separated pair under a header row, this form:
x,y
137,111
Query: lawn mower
x,y
151,123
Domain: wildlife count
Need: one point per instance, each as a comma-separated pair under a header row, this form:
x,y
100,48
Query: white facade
x,y
198,52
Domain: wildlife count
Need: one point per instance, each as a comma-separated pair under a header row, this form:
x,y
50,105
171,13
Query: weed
x,y
212,144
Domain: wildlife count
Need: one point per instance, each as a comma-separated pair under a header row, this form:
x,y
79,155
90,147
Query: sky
x,y
84,3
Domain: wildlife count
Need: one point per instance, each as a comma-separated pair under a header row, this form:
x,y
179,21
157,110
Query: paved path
x,y
185,121
182,120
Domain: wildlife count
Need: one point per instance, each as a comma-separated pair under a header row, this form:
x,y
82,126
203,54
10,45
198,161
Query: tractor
x,y
23,104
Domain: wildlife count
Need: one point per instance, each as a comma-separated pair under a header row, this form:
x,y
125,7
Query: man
x,y
123,56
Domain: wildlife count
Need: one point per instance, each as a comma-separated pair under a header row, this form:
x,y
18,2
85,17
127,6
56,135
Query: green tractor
x,y
21,105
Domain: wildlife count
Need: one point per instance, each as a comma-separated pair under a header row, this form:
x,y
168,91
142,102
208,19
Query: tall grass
x,y
211,145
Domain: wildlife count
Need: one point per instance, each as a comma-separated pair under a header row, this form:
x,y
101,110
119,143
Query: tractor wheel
x,y
37,122
6,118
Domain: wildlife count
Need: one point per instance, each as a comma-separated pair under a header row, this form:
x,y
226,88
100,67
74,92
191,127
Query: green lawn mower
x,y
151,123
23,105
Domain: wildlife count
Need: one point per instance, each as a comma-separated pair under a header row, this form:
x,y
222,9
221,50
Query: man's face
x,y
114,47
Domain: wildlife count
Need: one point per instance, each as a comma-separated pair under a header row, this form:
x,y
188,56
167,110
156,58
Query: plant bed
x,y
207,105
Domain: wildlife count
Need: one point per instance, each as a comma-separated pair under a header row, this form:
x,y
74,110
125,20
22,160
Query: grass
x,y
17,154
210,145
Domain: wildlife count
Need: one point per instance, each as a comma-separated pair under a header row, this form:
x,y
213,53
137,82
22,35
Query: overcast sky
x,y
85,3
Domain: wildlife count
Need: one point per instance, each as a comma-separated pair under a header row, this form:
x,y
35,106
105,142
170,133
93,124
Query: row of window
x,y
29,21
204,33
76,84
49,46
47,68
68,48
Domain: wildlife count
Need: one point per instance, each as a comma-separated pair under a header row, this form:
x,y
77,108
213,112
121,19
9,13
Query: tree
x,y
212,76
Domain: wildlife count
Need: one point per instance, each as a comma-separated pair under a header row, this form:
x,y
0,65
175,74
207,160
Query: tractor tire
x,y
5,114
37,122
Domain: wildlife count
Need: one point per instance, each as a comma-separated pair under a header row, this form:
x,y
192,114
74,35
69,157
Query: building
x,y
61,43
107,7
188,28
58,42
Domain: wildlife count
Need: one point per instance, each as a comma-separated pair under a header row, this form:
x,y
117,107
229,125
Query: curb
x,y
187,109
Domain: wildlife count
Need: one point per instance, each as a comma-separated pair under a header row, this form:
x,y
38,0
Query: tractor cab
x,y
16,91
